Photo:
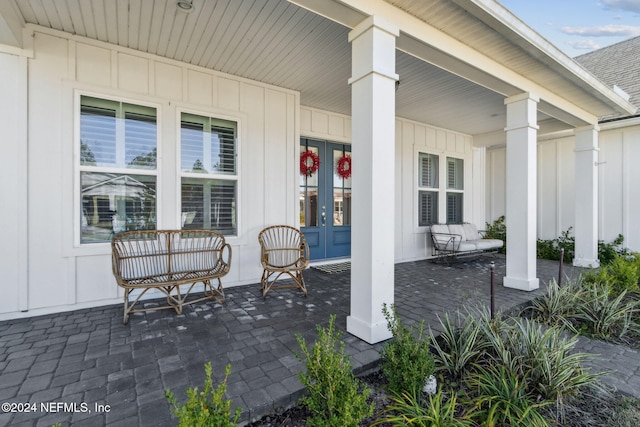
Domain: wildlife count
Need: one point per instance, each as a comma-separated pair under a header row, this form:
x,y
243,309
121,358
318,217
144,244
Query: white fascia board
x,y
506,23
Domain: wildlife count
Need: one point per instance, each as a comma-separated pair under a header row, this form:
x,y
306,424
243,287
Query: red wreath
x,y
309,163
344,167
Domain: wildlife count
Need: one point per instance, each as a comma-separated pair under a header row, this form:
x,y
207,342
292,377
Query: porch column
x,y
373,182
586,194
521,208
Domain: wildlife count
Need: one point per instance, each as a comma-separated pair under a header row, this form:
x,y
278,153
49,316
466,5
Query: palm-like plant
x,y
458,347
439,411
501,398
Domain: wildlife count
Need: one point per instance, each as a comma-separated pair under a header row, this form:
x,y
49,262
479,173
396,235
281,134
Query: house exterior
x,y
619,148
135,114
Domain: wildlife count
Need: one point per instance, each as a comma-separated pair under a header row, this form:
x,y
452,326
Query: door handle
x,y
323,214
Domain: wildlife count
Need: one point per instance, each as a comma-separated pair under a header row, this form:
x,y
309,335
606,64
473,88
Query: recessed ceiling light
x,y
185,5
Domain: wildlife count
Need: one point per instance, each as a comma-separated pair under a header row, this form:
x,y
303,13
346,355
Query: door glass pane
x,y
339,181
341,189
312,207
338,207
309,193
303,215
310,179
346,207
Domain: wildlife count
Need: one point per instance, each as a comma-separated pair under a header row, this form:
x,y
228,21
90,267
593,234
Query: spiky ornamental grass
x,y
558,306
458,347
440,410
500,397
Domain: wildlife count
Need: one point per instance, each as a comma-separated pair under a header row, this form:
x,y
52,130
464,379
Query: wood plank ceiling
x,y
275,42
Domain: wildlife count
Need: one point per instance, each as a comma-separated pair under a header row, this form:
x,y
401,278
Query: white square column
x,y
521,203
373,181
586,193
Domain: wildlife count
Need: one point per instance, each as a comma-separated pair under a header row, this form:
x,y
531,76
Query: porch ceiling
x,y
279,43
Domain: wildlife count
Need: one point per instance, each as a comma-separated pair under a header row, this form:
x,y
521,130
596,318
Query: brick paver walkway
x,y
89,358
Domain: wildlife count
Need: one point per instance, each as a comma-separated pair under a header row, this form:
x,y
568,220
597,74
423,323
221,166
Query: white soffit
x,y
284,44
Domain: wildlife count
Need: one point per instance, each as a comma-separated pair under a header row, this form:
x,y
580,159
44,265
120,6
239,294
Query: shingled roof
x,y
619,65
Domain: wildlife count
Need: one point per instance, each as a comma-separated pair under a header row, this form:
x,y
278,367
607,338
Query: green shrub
x,y
501,398
406,359
208,407
550,249
607,252
497,230
408,410
622,274
458,348
336,397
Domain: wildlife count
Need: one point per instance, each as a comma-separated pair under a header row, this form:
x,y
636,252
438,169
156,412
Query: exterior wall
x,y
13,180
325,125
63,274
618,177
411,241
49,271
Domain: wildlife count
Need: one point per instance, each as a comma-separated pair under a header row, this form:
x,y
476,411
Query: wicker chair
x,y
283,250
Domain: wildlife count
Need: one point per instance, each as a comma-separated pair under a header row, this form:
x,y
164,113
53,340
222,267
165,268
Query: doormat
x,y
333,268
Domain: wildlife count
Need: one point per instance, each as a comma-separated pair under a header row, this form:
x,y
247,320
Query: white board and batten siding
x,y
13,180
412,138
49,271
618,188
411,241
62,274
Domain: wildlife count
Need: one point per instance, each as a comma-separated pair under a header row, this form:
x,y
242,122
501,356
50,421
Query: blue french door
x,y
325,202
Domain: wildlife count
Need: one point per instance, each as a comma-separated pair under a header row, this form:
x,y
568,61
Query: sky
x,y
579,26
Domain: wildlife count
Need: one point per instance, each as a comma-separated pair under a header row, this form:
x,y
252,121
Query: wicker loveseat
x,y
167,260
452,240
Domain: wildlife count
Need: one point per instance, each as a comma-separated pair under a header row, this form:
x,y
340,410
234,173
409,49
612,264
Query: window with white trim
x,y
440,201
209,173
428,189
455,190
118,152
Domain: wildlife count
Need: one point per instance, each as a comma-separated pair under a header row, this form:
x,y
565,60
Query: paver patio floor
x,y
88,357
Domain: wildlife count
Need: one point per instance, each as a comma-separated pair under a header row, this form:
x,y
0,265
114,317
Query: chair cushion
x,y
486,244
471,232
467,246
459,230
440,228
